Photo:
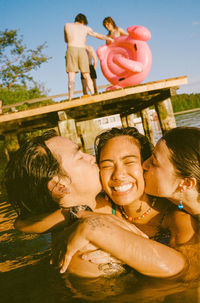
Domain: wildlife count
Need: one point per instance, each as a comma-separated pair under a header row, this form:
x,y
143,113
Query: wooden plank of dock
x,y
121,101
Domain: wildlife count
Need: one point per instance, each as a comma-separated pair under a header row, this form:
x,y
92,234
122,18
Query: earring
x,y
180,205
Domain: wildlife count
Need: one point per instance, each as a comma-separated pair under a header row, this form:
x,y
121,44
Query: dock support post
x,y
67,127
129,120
124,120
11,143
146,121
21,138
88,130
165,115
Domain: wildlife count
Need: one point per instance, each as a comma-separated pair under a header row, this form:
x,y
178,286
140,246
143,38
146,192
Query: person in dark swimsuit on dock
x,y
92,64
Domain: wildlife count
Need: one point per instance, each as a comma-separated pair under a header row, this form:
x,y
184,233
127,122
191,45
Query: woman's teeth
x,y
123,187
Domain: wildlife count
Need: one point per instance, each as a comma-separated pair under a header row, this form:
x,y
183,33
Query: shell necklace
x,y
131,219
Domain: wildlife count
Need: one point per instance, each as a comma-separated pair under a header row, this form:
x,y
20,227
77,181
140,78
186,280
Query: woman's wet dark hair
x,y
145,146
81,19
184,145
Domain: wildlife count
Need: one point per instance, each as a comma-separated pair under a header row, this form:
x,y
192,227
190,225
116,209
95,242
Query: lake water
x,y
26,276
189,119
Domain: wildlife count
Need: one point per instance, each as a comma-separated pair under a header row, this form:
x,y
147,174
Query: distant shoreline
x,y
187,111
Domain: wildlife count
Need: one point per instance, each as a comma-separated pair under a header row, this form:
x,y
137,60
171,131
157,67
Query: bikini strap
x,y
113,208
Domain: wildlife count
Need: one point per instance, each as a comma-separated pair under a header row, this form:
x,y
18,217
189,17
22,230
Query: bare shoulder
x,y
122,31
182,225
186,239
179,215
103,205
67,26
181,218
89,29
191,251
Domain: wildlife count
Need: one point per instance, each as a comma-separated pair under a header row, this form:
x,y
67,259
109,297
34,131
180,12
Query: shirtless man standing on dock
x,y
76,56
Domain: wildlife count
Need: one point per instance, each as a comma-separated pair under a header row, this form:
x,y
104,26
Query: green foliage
x,y
184,102
16,60
18,94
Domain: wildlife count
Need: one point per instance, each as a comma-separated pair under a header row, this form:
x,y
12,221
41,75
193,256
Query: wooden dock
x,y
124,101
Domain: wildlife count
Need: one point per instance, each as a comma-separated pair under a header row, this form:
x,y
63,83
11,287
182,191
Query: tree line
x,y
185,101
17,62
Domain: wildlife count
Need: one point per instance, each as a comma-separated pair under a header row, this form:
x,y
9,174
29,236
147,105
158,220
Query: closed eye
x,y
130,162
106,166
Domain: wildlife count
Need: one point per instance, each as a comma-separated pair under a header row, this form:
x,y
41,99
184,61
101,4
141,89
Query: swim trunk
x,y
93,74
77,58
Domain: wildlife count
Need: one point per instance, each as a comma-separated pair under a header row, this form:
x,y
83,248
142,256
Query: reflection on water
x,y
18,249
128,288
190,119
26,276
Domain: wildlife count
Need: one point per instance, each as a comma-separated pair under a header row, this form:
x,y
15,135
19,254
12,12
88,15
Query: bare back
x,y
76,33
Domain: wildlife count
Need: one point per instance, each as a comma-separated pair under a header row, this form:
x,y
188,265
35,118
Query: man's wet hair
x,y
81,19
27,175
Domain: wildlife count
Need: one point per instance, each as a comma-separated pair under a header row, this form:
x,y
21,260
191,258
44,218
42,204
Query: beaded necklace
x,y
131,219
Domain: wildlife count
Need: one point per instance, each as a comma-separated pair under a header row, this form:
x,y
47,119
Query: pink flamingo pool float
x,y
127,61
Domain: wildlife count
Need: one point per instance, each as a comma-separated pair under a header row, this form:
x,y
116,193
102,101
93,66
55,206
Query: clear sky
x,y
174,25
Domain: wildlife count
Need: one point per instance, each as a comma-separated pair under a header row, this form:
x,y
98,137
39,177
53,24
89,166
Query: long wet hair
x,y
27,175
111,21
184,145
145,146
